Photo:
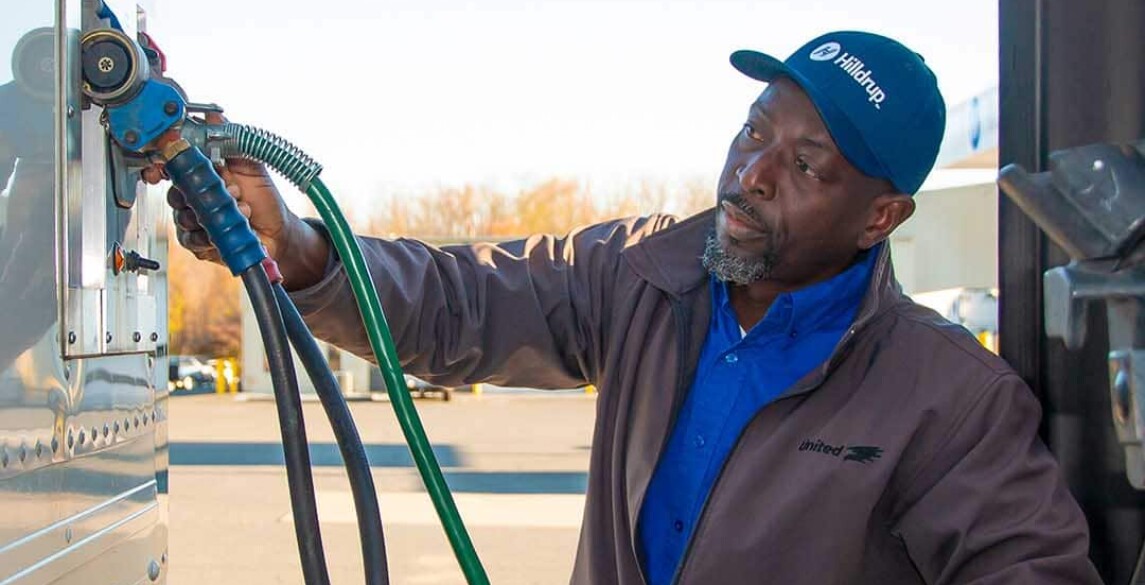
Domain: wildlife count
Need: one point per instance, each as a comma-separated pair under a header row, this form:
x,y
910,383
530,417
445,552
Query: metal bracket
x,y
1068,292
1069,289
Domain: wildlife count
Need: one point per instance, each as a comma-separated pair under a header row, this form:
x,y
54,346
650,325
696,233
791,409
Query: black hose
x,y
294,444
349,442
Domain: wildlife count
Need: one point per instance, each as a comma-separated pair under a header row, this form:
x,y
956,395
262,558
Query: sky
x,y
398,97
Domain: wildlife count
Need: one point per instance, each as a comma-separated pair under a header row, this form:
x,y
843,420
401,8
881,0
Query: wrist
x,y
304,256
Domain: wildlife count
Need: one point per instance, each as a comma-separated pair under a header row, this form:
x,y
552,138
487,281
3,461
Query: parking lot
x,y
517,465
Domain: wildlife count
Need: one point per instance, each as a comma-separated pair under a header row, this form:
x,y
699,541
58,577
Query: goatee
x,y
731,268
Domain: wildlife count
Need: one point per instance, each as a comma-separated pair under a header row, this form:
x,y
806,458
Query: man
x,y
772,409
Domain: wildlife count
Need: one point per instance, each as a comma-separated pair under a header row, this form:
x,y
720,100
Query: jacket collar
x,y
671,260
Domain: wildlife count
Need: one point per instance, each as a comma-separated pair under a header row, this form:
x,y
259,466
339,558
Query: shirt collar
x,y
826,305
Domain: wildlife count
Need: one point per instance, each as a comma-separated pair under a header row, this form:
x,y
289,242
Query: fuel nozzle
x,y
214,207
140,104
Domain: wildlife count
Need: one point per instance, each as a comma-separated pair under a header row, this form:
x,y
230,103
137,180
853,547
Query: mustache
x,y
741,203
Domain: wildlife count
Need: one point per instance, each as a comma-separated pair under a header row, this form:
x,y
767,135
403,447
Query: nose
x,y
757,174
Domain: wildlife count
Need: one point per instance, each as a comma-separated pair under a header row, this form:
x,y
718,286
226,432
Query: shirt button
x,y
731,358
699,441
678,525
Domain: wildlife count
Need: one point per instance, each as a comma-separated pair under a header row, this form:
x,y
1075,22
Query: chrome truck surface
x,y
83,335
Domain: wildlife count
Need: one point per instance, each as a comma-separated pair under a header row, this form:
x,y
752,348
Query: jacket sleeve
x,y
521,313
991,506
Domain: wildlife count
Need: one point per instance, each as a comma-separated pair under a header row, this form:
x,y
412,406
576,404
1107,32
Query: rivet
x,y
39,449
83,437
71,111
154,336
55,444
137,421
170,108
116,427
71,439
23,455
68,534
3,458
153,570
71,337
131,136
108,337
106,429
136,336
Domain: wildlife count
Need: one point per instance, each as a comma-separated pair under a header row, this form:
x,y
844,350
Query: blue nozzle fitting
x,y
215,208
155,109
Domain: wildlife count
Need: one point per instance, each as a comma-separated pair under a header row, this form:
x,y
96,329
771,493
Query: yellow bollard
x,y
220,378
590,389
477,389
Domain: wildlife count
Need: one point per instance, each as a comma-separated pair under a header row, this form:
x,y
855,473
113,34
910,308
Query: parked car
x,y
420,388
189,375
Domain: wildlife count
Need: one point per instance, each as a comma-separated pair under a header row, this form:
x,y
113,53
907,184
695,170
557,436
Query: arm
x,y
524,313
991,506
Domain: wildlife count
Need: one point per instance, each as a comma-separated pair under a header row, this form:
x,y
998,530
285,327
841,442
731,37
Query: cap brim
x,y
759,66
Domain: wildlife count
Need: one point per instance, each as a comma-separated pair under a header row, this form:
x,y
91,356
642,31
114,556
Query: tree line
x,y
204,304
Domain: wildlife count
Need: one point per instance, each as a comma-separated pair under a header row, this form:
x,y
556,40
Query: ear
x,y
887,212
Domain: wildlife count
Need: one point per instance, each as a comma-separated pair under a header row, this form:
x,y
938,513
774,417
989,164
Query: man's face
x,y
792,209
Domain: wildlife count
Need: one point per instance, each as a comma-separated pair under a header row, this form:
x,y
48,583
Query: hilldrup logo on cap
x,y
826,51
853,66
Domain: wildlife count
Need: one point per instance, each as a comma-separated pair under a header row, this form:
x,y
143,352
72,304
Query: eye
x,y
805,167
749,131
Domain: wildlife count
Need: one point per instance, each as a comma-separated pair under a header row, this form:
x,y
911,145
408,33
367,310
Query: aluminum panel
x,y
82,434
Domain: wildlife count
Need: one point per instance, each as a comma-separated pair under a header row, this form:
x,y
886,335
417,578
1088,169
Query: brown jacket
x,y
910,456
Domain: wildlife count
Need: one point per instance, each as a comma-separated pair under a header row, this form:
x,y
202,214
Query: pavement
x,y
517,464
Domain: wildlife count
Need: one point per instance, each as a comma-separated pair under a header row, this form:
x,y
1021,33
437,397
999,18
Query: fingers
x,y
245,167
211,255
194,240
175,198
185,219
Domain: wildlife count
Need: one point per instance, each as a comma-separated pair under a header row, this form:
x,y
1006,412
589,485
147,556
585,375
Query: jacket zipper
x,y
861,321
739,438
683,330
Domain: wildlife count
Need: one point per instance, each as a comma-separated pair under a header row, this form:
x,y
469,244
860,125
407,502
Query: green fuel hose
x,y
383,345
302,171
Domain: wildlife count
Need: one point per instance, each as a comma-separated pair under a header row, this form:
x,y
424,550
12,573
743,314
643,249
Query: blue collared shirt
x,y
737,376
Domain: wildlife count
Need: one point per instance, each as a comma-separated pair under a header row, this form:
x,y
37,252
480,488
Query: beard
x,y
728,267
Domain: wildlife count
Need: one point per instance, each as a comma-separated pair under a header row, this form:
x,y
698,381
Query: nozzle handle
x,y
214,207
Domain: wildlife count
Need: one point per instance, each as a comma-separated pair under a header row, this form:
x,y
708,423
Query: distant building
x,y
353,373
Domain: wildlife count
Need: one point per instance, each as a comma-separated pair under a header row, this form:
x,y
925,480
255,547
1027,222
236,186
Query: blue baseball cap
x,y
878,99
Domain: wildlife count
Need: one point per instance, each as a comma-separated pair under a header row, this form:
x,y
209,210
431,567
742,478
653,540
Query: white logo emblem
x,y
826,51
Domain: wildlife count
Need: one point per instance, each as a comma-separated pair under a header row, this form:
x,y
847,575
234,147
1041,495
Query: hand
x,y
300,251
